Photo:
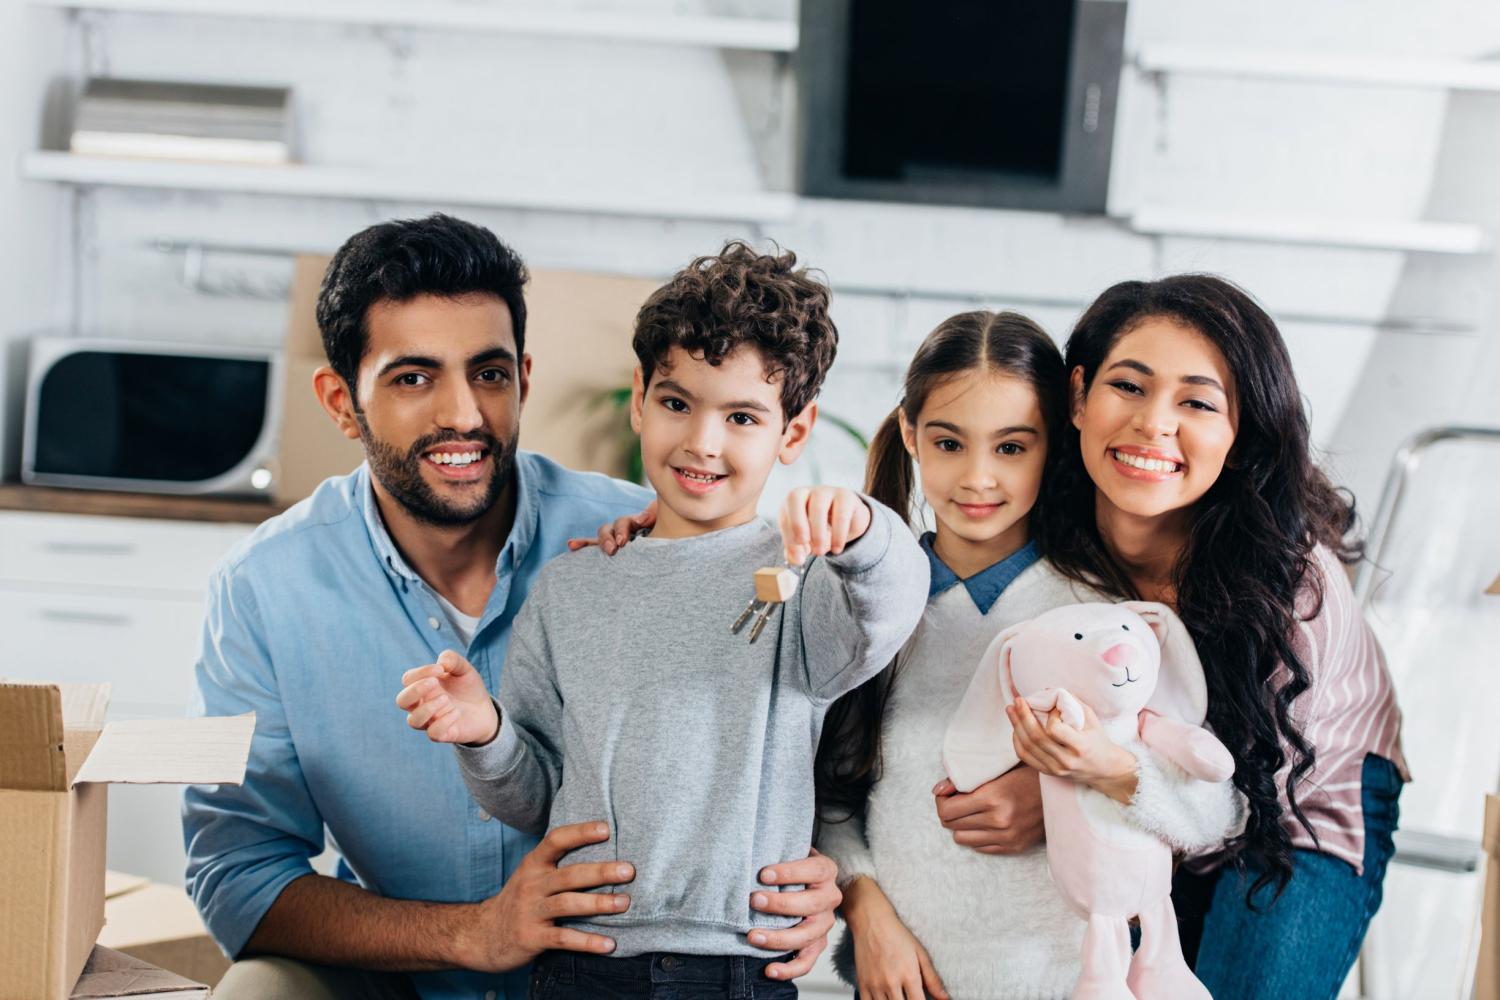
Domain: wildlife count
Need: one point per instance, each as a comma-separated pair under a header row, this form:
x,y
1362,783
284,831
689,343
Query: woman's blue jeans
x,y
1302,944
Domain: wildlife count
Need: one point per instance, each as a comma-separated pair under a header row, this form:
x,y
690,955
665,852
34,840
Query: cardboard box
x,y
311,447
1487,971
56,756
159,924
108,973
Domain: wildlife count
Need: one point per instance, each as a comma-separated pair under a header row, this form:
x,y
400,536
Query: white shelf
x,y
374,185
1321,67
762,35
1405,236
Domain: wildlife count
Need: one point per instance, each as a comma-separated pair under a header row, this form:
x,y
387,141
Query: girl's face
x,y
979,444
1157,425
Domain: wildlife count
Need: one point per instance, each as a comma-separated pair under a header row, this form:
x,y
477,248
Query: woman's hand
x,y
448,701
821,519
889,962
618,532
1087,755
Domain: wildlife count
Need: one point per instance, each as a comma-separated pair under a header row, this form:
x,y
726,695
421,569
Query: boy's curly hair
x,y
716,305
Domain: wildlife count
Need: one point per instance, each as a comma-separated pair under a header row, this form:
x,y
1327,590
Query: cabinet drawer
x,y
145,648
118,552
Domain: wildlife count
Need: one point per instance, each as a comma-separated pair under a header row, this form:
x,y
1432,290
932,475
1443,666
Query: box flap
x,y
208,751
84,705
1494,588
31,738
152,912
118,883
111,974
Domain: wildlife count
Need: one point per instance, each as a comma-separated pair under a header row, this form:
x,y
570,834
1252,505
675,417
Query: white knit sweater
x,y
995,926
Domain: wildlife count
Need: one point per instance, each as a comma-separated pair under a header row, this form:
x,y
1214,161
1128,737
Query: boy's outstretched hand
x,y
448,701
819,520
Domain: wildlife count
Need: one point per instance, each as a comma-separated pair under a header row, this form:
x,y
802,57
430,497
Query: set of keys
x,y
774,586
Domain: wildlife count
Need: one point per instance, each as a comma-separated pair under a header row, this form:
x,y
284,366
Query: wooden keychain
x,y
774,586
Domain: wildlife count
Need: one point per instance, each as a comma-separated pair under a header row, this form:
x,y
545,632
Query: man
x,y
432,544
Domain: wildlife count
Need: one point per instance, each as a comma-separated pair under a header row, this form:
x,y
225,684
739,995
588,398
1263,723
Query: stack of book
x,y
183,121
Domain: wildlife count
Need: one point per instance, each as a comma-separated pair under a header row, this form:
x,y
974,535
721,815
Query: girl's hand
x,y
821,519
448,700
890,963
618,532
1087,755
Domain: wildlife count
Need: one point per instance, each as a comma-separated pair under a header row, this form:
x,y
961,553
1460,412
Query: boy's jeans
x,y
567,975
1303,944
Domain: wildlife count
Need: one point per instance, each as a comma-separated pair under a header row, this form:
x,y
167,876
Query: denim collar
x,y
986,586
522,531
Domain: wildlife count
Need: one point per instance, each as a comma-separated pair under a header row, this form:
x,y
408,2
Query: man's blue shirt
x,y
311,622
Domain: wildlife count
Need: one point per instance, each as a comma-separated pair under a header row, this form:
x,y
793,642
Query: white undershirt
x,y
464,625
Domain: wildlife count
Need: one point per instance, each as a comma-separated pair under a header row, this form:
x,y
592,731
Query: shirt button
x,y
434,623
486,817
489,995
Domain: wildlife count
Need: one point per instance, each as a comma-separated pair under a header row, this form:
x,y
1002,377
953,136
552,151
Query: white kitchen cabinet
x,y
87,598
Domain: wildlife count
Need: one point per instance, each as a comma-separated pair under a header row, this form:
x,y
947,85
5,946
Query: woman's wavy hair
x,y
1240,579
1004,343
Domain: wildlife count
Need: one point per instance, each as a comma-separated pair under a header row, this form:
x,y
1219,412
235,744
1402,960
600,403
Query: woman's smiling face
x,y
1158,422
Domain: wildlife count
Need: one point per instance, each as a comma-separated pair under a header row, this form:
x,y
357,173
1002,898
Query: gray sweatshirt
x,y
625,698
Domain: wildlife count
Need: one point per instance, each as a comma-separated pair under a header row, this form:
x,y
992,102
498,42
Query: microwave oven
x,y
157,418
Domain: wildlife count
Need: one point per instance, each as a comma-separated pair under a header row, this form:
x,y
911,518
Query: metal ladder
x,y
1419,848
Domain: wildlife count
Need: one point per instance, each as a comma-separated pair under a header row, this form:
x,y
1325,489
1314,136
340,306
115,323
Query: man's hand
x,y
520,922
822,519
814,904
448,701
1001,816
618,532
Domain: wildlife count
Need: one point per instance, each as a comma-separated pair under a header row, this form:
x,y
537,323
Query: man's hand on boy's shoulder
x,y
815,904
521,921
618,532
820,521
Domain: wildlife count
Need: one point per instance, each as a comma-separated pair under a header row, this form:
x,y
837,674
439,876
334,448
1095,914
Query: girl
x,y
983,404
1186,478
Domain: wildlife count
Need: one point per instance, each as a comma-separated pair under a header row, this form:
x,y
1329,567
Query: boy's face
x,y
709,437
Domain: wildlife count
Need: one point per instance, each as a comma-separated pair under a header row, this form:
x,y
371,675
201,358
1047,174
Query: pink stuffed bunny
x,y
1135,666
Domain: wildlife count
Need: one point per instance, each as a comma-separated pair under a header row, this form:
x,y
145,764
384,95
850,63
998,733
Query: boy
x,y
625,693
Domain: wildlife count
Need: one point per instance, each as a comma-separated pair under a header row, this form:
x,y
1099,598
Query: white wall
x,y
35,264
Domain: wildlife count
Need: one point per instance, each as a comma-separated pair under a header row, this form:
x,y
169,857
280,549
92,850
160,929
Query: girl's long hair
x,y
1250,542
1004,343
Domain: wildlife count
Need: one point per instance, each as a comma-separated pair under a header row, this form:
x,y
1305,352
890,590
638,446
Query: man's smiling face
x,y
439,403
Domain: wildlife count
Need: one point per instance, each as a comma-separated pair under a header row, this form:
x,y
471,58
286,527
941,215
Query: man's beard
x,y
401,475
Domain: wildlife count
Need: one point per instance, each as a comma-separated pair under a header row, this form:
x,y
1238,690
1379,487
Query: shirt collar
x,y
986,586
522,531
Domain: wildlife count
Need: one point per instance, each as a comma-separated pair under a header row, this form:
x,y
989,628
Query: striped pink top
x,y
1348,711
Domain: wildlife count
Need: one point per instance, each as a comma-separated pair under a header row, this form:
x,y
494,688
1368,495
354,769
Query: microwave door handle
x,y
83,617
90,548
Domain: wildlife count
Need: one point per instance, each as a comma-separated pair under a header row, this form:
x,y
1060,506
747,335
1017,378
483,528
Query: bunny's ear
x,y
977,745
1181,692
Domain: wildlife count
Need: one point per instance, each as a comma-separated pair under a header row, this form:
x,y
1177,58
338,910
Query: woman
x,y
1186,478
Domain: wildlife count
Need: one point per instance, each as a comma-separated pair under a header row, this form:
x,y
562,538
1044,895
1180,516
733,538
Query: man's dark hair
x,y
743,298
404,258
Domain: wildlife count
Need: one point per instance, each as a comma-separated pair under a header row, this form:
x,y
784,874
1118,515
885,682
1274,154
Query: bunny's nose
x,y
1121,654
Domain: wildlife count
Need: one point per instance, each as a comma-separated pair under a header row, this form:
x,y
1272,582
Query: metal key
x,y
774,586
